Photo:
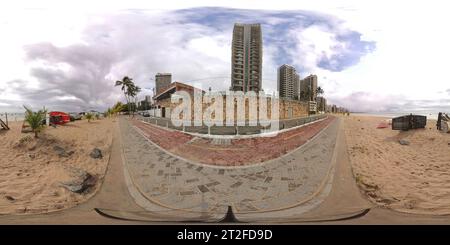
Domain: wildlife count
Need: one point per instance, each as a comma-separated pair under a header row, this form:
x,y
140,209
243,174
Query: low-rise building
x,y
163,98
288,108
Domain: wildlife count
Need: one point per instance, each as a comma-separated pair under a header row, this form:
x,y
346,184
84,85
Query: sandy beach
x,y
412,178
32,170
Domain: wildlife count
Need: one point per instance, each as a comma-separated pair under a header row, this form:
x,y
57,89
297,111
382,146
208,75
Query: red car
x,y
58,117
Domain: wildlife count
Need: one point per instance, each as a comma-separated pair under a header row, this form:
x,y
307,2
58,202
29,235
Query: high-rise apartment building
x,y
321,103
148,98
297,81
308,88
246,58
162,81
288,82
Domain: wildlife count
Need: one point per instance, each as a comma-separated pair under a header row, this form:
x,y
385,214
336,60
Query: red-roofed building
x,y
162,99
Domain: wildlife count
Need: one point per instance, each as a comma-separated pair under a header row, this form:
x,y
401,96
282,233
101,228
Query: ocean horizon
x,y
428,113
12,116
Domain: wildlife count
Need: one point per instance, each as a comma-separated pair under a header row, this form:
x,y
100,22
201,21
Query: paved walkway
x,y
276,184
231,152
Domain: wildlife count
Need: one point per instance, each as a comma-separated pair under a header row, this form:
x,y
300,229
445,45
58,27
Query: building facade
x,y
297,81
246,58
288,82
163,102
148,98
321,104
308,88
334,109
162,81
288,109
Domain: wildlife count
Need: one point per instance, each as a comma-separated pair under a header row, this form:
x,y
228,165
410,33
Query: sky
x,y
369,56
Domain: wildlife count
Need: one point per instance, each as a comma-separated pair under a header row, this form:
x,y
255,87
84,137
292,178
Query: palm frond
x,y
35,119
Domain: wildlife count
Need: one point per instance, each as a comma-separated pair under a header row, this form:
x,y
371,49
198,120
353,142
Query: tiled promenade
x,y
280,183
234,153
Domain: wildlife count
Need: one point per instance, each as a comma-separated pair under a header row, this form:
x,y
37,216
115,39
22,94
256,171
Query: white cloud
x,y
410,60
311,44
217,47
368,101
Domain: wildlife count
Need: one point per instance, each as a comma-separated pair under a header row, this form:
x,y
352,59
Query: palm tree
x,y
109,112
319,91
89,116
129,89
132,93
118,107
35,119
126,84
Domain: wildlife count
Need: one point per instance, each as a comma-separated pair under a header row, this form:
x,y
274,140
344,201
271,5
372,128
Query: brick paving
x,y
167,139
180,185
238,152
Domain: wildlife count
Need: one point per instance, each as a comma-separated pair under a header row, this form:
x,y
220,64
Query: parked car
x,y
145,114
75,116
59,118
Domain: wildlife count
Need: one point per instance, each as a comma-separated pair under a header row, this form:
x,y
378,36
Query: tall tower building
x,y
162,81
287,83
148,98
246,58
308,88
297,86
321,103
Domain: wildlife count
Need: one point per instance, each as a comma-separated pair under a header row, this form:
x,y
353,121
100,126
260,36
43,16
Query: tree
x,y
35,119
319,91
144,105
118,107
89,116
129,89
109,112
130,107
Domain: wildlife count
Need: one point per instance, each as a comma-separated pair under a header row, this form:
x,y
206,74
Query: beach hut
x,y
409,122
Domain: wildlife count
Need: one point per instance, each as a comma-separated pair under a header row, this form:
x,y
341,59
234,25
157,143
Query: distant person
x,y
411,121
439,119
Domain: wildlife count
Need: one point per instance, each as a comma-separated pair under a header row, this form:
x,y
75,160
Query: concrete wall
x,y
288,109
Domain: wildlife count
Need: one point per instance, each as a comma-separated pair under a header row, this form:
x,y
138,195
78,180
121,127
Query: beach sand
x,y
31,172
412,178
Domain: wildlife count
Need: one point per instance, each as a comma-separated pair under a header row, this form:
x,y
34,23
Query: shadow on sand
x,y
403,134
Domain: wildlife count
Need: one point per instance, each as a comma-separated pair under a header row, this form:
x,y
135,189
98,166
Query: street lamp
x,y
151,89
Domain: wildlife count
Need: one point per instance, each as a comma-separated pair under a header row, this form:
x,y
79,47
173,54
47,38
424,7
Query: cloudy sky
x,y
368,55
